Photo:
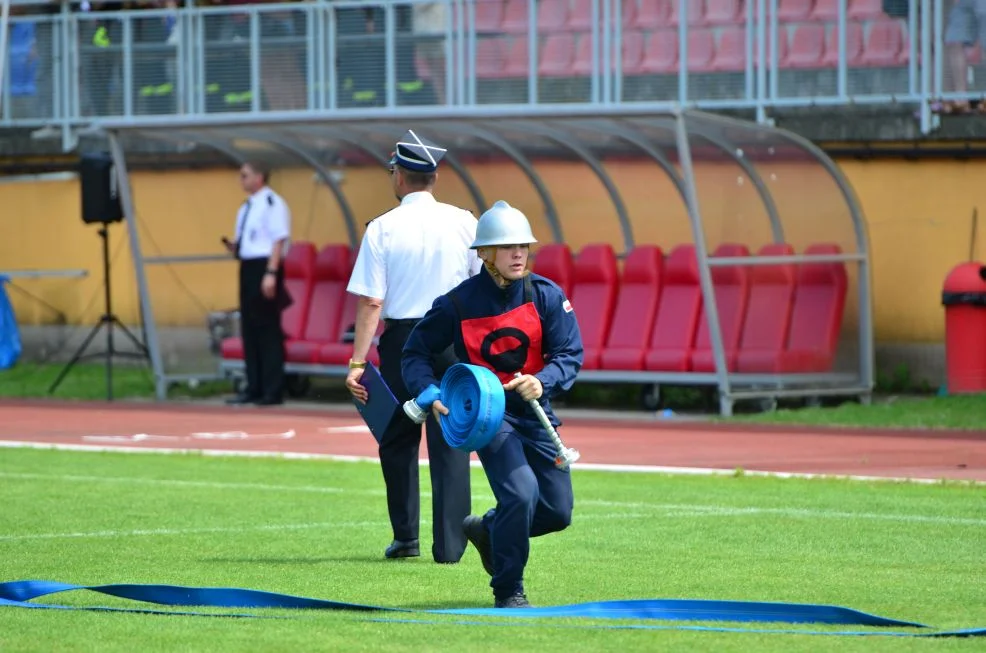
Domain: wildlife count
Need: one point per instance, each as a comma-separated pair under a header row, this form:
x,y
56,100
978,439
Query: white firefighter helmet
x,y
502,224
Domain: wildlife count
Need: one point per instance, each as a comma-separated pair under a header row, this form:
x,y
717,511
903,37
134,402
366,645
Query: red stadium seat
x,y
732,289
554,261
651,14
865,10
854,45
825,10
582,65
633,52
673,335
636,306
660,53
552,15
807,46
768,315
701,50
557,55
594,296
299,270
816,317
696,12
338,352
580,19
724,12
793,11
488,15
332,270
731,53
515,17
884,44
516,60
490,58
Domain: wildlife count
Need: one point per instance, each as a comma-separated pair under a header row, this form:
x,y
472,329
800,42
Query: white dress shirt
x,y
263,220
413,253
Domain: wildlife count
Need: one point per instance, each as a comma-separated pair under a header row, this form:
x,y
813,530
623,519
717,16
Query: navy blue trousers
x,y
533,498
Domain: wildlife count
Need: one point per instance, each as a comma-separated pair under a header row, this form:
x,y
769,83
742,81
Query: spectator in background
x,y
22,49
430,21
965,26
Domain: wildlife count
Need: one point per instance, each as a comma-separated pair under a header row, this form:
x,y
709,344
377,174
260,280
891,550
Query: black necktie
x,y
240,226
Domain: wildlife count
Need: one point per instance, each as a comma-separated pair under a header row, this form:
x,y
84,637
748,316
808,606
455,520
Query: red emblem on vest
x,y
507,343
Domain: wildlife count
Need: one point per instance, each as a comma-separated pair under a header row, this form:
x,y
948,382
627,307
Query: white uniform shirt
x,y
413,253
263,220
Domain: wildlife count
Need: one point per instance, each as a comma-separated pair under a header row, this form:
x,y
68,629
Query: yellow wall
x,y
919,221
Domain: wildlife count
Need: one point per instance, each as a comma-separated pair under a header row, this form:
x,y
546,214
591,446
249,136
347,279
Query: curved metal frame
x,y
329,180
515,155
563,138
776,228
453,162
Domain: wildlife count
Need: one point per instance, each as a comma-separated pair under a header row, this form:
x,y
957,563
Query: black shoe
x,y
518,600
476,533
403,549
269,401
240,400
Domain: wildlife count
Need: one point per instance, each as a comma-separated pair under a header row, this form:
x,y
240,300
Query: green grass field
x,y
317,528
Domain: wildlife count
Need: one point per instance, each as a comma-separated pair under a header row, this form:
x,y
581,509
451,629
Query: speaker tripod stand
x,y
108,320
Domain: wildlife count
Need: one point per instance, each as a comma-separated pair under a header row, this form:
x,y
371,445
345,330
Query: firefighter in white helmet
x,y
509,320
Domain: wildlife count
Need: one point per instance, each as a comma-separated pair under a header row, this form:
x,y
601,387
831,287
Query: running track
x,y
668,445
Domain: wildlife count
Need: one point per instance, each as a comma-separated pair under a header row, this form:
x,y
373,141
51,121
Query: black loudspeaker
x,y
100,194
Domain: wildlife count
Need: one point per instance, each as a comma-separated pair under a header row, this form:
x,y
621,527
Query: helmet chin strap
x,y
488,256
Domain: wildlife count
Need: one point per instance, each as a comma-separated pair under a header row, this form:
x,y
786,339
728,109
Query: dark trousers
x,y
451,500
533,498
260,327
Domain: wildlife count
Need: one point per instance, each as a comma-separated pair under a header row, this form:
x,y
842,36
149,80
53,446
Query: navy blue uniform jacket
x,y
480,296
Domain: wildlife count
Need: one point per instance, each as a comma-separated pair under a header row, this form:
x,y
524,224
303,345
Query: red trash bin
x,y
964,299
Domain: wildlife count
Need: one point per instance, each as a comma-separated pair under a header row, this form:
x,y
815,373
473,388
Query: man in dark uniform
x,y
263,227
410,255
541,341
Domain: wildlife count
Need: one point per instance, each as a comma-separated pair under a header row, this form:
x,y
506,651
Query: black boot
x,y
403,549
476,533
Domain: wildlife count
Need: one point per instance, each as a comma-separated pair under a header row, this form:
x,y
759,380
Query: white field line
x,y
670,509
597,467
239,529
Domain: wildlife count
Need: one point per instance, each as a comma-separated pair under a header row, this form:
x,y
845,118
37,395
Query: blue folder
x,y
381,409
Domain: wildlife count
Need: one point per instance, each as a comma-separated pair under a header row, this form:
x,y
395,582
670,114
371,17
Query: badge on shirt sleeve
x,y
567,305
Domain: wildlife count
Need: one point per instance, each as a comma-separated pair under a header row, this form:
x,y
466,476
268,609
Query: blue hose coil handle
x,y
475,400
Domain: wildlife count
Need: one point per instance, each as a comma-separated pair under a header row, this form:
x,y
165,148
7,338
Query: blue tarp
x,y
10,336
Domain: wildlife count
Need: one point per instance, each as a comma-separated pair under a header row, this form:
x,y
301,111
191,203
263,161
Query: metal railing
x,y
68,69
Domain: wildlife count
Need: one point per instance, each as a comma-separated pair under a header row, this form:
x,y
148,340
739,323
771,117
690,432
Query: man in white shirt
x,y
263,227
409,256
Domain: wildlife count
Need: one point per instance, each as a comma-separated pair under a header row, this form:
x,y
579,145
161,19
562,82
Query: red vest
x,y
506,343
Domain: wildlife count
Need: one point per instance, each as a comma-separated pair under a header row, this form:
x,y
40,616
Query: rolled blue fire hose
x,y
475,400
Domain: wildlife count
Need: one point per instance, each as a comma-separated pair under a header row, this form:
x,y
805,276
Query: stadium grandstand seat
x,y
488,15
632,52
696,12
724,12
516,59
515,17
816,316
854,45
332,270
628,13
660,54
649,15
490,58
554,261
806,47
638,294
793,11
594,296
768,313
557,55
731,54
582,65
338,352
673,335
299,270
732,291
552,15
580,18
885,44
701,50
